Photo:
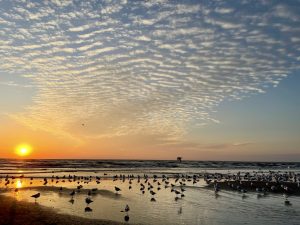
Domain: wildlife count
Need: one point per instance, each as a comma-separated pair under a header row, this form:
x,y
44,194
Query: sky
x,y
156,79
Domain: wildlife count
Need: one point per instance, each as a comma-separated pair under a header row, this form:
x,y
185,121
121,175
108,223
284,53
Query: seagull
x,y
177,192
36,196
72,193
117,189
88,200
180,210
88,209
287,202
126,218
127,208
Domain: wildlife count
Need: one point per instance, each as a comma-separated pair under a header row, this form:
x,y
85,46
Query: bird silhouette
x,y
36,196
88,209
88,200
72,193
126,218
117,189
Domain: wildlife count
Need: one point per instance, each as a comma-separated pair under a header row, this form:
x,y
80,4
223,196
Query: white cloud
x,y
142,67
224,10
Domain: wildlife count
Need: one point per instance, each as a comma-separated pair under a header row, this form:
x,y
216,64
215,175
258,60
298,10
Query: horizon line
x,y
188,160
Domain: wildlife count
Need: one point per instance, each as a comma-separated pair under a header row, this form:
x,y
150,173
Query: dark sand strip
x,y
13,212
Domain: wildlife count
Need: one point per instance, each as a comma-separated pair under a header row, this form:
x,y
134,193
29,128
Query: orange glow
x,y
23,150
18,184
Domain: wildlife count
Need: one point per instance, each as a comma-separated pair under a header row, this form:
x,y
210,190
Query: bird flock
x,y
146,183
261,182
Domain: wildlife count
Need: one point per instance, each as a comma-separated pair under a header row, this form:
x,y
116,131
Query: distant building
x,y
179,159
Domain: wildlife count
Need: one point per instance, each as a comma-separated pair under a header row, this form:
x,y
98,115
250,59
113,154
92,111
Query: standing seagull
x,y
36,196
127,208
126,218
72,194
87,208
117,189
88,201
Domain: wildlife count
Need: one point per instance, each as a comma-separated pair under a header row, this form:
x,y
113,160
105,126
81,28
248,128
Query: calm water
x,y
199,206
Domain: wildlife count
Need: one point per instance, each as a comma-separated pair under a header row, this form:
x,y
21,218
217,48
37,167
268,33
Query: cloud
x,y
130,67
242,143
170,143
14,84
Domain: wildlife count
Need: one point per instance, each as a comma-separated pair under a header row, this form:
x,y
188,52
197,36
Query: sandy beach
x,y
13,212
158,196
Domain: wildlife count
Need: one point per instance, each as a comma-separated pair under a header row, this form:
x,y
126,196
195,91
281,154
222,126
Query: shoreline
x,y
14,212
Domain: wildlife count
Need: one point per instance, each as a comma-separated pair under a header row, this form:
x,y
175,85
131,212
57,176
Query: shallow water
x,y
199,206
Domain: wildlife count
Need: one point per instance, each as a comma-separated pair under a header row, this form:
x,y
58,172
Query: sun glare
x,y
19,184
23,150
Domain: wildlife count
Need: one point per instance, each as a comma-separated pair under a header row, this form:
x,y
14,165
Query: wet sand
x,y
13,212
179,199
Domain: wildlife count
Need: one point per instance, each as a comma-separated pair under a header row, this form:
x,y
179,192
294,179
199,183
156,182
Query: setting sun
x,y
23,150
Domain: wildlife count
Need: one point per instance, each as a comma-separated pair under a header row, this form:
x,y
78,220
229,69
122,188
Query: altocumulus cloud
x,y
126,67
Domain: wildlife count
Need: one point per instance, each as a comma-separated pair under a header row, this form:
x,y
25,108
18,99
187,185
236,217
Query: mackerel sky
x,y
170,76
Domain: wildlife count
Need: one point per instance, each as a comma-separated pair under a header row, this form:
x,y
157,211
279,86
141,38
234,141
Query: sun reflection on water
x,y
19,184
